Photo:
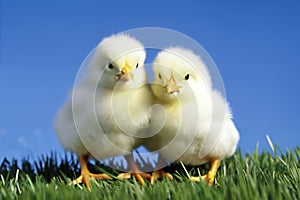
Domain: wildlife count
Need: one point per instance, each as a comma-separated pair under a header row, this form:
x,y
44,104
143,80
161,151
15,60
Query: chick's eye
x,y
187,77
110,66
159,76
137,65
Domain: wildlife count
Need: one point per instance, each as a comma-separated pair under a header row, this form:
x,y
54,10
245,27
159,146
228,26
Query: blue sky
x,y
255,45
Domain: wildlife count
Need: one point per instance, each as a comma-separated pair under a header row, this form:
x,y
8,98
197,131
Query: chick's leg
x,y
86,175
160,172
210,176
134,172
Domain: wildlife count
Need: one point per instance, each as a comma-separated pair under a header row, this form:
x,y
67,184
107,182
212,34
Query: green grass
x,y
257,176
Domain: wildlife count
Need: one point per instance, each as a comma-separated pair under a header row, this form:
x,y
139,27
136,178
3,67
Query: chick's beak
x,y
171,85
126,69
125,73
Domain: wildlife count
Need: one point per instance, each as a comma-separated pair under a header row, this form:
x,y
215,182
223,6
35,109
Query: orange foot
x,y
139,176
160,173
86,175
210,176
134,172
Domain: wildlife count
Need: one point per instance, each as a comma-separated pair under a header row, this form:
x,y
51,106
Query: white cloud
x,y
21,140
37,133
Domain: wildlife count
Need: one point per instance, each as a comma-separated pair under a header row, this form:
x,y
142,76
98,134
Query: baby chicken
x,y
198,126
107,109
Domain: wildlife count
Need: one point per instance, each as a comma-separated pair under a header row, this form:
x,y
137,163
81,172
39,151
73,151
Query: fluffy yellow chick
x,y
107,109
198,126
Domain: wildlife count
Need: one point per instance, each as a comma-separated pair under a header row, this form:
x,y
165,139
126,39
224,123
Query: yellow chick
x,y
107,109
198,126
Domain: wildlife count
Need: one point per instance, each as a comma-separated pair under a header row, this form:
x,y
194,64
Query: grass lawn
x,y
257,176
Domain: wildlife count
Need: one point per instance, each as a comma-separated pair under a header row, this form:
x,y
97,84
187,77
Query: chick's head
x,y
120,58
176,75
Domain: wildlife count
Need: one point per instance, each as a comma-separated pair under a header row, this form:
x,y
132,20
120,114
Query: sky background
x,y
256,46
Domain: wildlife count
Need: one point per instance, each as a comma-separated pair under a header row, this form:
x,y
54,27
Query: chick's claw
x,y
86,175
139,176
86,178
210,181
210,176
160,173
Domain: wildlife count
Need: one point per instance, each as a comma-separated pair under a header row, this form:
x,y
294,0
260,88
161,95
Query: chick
x,y
198,126
107,109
